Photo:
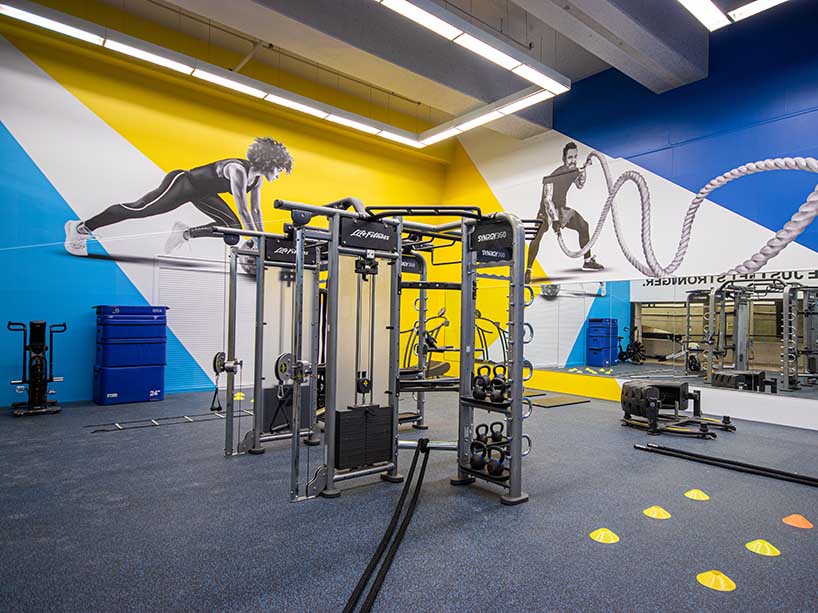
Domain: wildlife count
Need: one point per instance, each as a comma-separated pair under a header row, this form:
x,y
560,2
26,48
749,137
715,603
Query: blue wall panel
x,y
42,281
759,101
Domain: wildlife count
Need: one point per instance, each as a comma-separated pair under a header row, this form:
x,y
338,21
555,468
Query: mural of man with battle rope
x,y
554,209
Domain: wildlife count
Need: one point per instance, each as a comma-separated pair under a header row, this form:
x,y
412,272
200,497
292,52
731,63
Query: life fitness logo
x,y
285,251
492,236
367,234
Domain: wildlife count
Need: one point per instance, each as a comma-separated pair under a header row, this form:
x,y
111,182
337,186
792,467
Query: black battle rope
x,y
390,529
751,469
393,549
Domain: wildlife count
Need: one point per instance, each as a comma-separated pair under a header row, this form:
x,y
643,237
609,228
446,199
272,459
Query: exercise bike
x,y
634,352
37,370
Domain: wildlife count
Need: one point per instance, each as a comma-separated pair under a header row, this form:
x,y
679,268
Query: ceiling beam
x,y
658,44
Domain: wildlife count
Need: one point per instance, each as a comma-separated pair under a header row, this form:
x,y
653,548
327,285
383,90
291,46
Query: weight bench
x,y
655,406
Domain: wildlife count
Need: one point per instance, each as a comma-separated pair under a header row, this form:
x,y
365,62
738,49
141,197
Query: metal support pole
x,y
258,379
789,341
315,333
394,356
371,350
420,424
741,330
810,329
711,334
331,376
723,330
467,305
298,305
515,494
231,352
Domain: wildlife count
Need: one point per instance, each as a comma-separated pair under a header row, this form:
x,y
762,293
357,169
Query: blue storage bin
x,y
130,327
602,357
107,309
118,385
601,342
132,352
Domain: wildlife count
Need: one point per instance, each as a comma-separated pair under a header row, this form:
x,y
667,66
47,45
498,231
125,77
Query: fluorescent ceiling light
x,y
351,123
538,78
436,138
50,24
292,104
400,139
487,51
230,84
479,121
753,8
147,56
525,102
419,16
707,12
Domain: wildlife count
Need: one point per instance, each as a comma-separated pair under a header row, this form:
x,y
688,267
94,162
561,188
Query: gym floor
x,y
158,519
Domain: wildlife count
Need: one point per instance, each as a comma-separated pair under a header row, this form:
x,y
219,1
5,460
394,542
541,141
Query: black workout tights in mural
x,y
174,191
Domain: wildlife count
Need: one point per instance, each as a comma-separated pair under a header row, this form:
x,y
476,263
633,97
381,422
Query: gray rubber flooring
x,y
157,519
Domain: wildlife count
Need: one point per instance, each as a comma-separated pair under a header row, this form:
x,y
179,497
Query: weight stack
x,y
363,436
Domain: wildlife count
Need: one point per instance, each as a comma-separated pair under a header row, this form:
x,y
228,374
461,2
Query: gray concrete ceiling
x,y
362,45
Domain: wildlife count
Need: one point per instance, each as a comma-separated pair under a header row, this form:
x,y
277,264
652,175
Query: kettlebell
x,y
496,467
481,433
481,382
498,384
478,455
497,432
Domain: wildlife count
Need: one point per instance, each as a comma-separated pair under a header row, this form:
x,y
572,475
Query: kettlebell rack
x,y
496,241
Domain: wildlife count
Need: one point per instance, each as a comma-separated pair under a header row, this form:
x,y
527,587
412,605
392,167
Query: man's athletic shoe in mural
x,y
592,264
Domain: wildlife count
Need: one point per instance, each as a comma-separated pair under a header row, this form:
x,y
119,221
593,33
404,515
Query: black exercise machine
x,y
646,404
37,369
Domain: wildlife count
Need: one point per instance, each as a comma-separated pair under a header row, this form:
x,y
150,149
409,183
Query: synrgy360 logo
x,y
361,233
492,236
490,253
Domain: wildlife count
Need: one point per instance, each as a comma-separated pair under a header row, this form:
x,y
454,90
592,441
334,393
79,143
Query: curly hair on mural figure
x,y
266,159
651,267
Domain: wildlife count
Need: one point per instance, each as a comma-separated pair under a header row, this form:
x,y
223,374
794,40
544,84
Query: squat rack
x,y
799,337
272,250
